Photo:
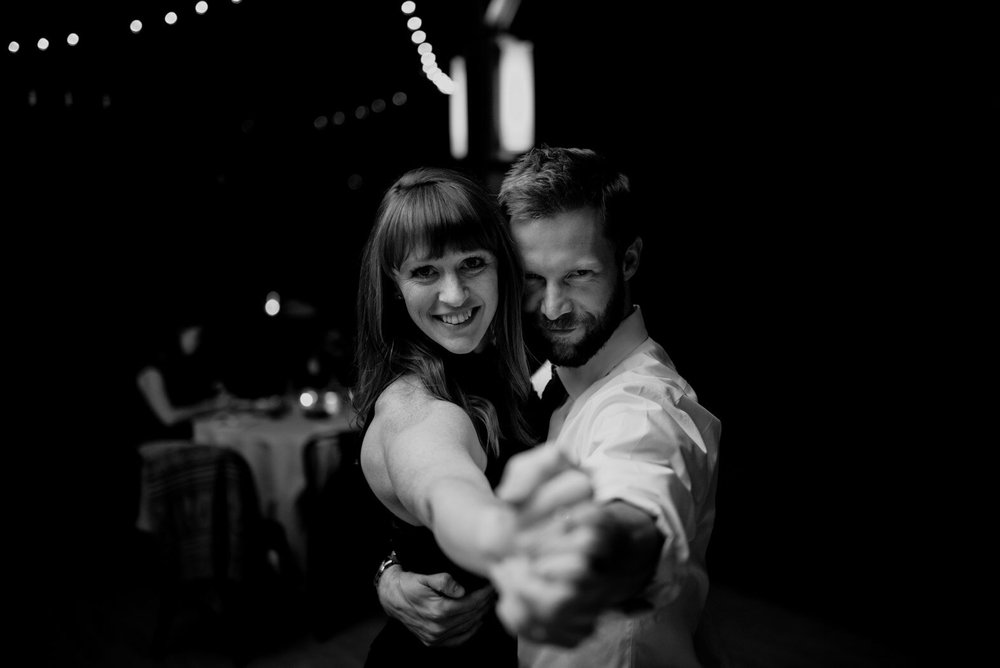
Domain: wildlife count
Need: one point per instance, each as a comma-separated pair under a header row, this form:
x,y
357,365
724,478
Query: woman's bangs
x,y
437,225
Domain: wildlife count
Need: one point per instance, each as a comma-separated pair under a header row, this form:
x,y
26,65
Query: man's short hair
x,y
547,181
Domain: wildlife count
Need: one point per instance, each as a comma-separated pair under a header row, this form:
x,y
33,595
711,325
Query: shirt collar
x,y
629,335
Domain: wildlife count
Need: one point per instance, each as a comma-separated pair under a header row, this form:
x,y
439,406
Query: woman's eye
x,y
423,272
474,263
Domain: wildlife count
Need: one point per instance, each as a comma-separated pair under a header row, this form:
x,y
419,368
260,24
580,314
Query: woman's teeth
x,y
456,318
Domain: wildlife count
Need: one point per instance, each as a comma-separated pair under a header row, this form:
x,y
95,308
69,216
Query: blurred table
x,y
275,447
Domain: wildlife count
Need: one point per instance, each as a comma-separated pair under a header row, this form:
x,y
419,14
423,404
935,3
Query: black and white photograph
x,y
524,333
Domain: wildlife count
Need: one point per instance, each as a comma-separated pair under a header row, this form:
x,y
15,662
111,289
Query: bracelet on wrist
x,y
391,560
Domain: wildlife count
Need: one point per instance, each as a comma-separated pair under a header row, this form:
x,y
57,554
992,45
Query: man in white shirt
x,y
620,581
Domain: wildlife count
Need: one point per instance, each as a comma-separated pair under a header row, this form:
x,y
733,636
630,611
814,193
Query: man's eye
x,y
580,273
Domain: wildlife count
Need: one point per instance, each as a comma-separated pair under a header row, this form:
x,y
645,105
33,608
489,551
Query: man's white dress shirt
x,y
636,426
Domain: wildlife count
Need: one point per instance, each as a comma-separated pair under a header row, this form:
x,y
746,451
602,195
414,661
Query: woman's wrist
x,y
496,532
386,564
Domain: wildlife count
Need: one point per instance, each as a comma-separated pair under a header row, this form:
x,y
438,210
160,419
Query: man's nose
x,y
453,290
554,302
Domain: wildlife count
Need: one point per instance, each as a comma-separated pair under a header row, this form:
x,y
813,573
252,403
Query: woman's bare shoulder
x,y
407,402
403,394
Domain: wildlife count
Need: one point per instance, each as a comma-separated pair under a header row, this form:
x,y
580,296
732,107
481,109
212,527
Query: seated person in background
x,y
179,383
329,364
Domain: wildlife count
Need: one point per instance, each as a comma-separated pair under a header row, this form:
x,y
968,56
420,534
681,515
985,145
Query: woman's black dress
x,y
491,646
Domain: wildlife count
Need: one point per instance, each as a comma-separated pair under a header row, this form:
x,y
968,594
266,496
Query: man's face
x,y
574,291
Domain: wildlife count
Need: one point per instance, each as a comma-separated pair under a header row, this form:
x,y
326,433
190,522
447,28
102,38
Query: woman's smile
x,y
457,318
452,298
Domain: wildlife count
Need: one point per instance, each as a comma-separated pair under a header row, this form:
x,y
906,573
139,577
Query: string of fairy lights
x,y
428,59
418,35
73,38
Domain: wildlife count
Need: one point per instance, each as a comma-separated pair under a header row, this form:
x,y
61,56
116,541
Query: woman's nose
x,y
453,290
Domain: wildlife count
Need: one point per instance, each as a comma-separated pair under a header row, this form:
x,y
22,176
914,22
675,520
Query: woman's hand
x,y
544,583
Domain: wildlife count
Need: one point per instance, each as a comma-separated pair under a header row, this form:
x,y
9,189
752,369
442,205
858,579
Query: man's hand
x,y
434,608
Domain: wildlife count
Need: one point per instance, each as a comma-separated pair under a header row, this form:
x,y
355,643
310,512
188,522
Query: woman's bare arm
x,y
434,464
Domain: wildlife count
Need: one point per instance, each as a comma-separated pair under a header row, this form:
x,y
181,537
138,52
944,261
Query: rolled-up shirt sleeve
x,y
643,448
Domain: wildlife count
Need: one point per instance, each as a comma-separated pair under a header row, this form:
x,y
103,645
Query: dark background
x,y
780,161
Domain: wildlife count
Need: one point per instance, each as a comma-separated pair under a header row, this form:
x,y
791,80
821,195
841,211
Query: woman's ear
x,y
630,263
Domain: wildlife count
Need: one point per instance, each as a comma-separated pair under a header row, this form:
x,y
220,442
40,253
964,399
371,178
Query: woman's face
x,y
452,298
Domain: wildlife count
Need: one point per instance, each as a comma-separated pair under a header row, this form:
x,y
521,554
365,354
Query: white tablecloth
x,y
274,447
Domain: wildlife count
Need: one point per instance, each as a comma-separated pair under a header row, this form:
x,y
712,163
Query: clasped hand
x,y
550,584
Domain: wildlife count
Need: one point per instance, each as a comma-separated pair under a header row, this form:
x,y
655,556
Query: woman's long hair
x,y
438,210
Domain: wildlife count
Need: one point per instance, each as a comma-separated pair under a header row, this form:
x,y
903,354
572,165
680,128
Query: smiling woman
x,y
442,393
452,298
439,276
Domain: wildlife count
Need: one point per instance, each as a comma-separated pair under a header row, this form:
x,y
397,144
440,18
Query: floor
x,y
113,617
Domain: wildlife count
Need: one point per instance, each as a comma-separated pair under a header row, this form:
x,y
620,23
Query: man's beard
x,y
597,330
